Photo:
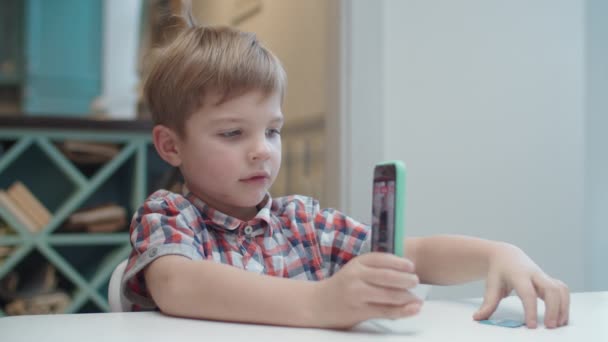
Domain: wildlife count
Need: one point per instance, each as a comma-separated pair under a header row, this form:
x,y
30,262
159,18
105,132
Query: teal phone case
x,y
400,175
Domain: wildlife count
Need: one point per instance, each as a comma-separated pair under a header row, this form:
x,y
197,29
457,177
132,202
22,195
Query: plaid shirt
x,y
290,237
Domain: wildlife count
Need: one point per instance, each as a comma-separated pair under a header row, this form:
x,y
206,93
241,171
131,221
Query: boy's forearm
x,y
451,259
203,289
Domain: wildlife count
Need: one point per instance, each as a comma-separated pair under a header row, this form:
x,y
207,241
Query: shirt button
x,y
153,252
248,230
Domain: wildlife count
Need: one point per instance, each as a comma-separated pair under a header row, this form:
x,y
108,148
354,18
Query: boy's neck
x,y
243,214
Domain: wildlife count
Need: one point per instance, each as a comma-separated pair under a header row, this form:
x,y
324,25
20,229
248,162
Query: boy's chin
x,y
255,201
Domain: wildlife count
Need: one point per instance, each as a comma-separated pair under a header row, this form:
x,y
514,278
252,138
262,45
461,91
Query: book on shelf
x,y
107,226
84,152
33,292
5,229
39,304
29,204
5,251
35,280
8,286
100,213
7,203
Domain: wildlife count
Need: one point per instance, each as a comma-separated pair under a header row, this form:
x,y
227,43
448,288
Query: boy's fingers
x,y
390,278
552,307
394,311
557,300
565,304
527,295
386,260
391,297
490,301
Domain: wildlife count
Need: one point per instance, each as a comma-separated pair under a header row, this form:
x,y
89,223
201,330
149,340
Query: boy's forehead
x,y
217,98
244,99
215,107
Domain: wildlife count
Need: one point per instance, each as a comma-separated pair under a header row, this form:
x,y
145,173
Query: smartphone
x,y
388,207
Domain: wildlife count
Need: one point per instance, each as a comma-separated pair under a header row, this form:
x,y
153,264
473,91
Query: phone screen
x,y
383,209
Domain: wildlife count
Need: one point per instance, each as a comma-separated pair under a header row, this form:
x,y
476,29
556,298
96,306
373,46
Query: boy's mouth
x,y
256,177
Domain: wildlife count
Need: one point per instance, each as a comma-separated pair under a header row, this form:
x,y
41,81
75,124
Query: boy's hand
x,y
511,269
372,285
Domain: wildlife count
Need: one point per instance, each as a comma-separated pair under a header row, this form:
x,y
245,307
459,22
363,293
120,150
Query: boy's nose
x,y
260,150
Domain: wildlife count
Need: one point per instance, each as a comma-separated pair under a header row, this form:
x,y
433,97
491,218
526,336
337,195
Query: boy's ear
x,y
166,143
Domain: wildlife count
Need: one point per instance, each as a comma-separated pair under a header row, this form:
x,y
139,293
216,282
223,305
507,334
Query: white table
x,y
438,321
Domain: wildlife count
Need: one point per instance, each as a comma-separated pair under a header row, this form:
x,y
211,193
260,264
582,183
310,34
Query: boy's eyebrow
x,y
226,119
275,119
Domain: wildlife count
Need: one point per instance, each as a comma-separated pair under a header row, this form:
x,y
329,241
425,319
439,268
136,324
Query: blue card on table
x,y
507,323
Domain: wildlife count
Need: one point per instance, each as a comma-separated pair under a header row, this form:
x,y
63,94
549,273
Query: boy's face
x,y
231,153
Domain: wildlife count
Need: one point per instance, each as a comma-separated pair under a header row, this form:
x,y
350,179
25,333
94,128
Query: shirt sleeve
x,y
340,237
161,226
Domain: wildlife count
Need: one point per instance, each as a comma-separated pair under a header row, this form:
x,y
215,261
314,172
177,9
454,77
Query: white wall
x,y
120,47
362,106
596,208
484,102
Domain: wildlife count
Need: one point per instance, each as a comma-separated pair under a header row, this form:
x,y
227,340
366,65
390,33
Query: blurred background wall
x,y
497,107
596,139
499,110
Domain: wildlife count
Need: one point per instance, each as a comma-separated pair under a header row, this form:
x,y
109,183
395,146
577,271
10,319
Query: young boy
x,y
223,249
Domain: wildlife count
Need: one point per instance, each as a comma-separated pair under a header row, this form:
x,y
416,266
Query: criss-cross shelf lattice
x,y
23,142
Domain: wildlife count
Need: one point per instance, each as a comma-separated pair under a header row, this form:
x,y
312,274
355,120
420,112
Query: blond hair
x,y
202,61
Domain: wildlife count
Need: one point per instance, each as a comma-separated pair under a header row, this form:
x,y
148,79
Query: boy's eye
x,y
230,134
273,131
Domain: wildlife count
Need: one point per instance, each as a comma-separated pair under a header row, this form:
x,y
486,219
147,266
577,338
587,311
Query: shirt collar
x,y
226,221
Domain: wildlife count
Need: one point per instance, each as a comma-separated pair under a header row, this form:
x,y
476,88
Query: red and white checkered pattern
x,y
290,237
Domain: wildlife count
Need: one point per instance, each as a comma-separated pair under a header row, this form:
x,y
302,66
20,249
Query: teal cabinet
x,y
50,55
63,48
30,152
11,42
